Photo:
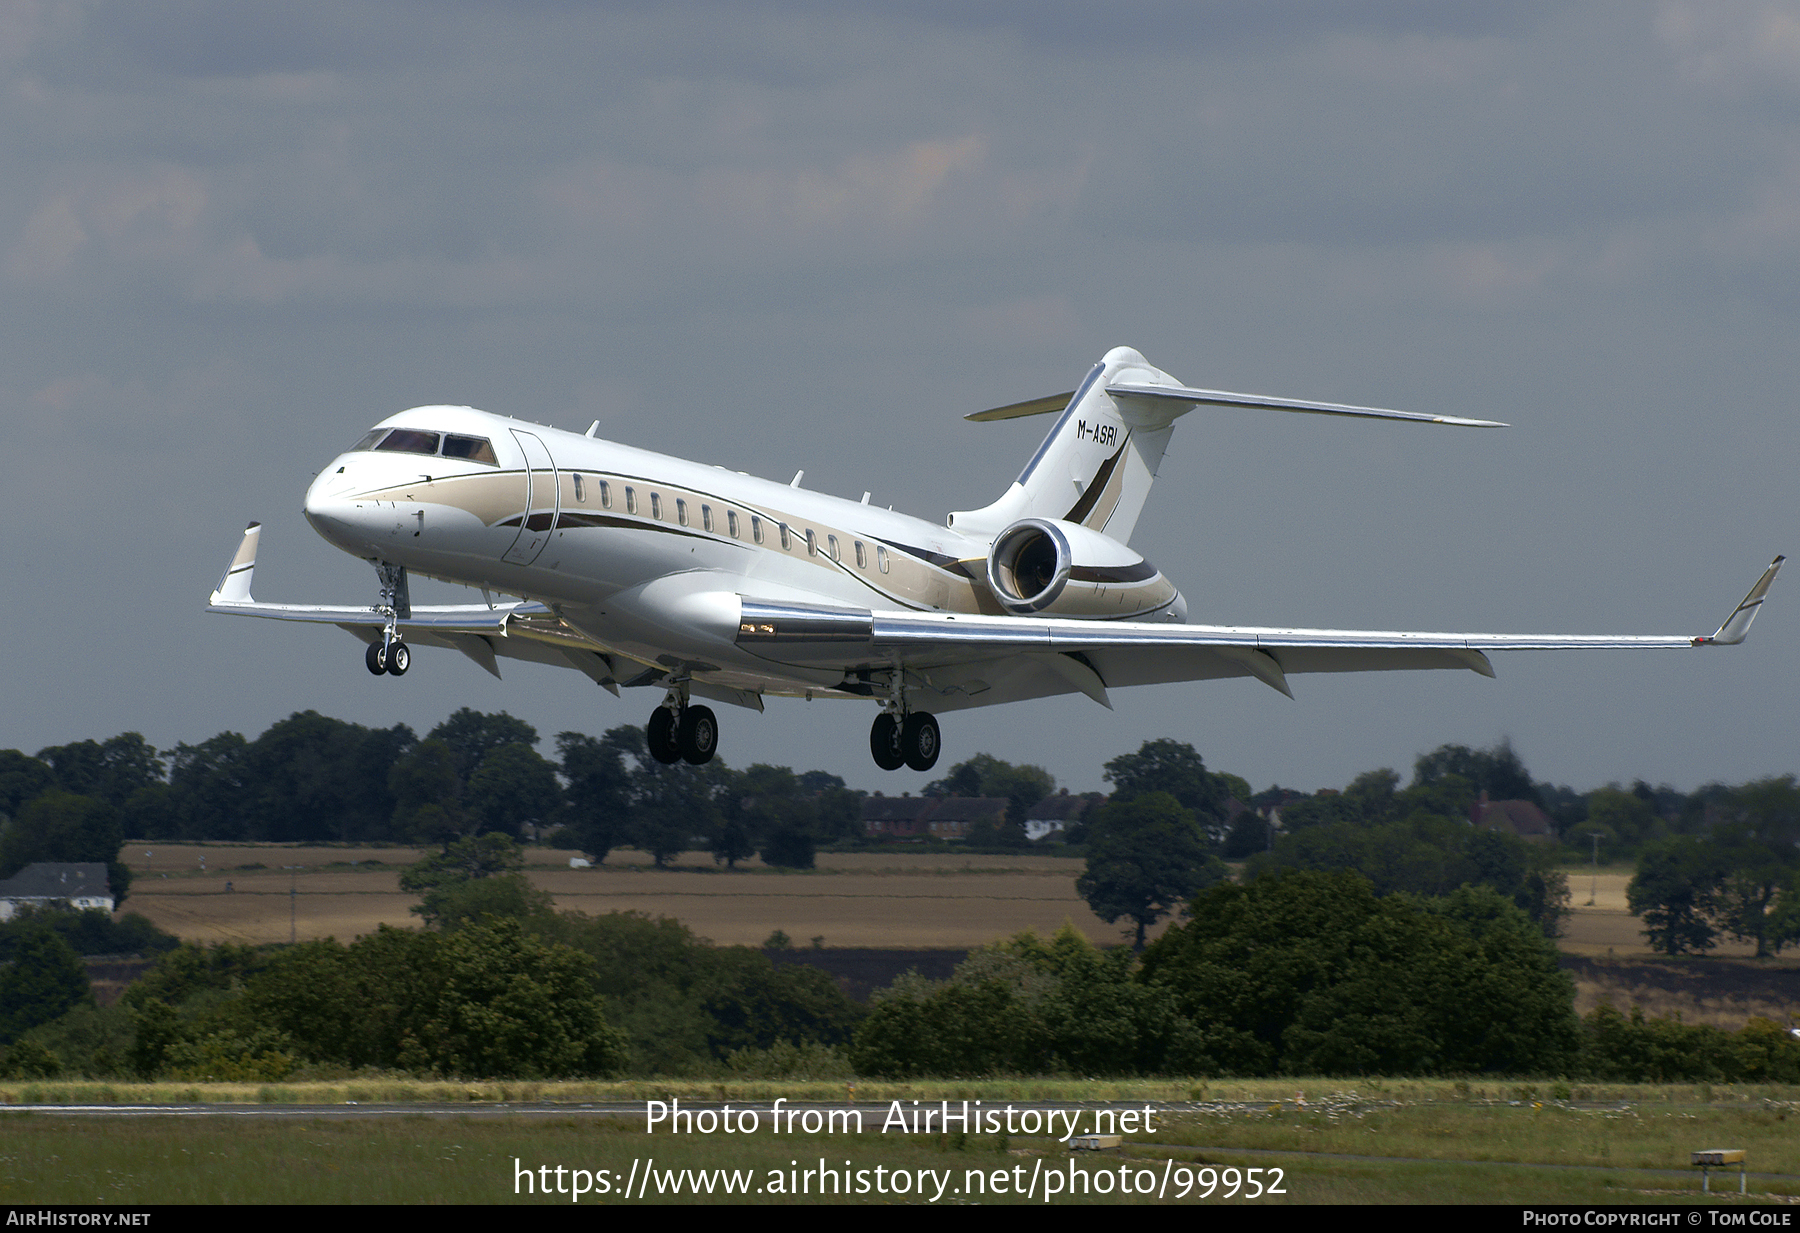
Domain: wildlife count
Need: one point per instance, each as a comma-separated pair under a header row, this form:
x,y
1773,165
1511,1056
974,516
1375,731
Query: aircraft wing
x,y
517,629
967,660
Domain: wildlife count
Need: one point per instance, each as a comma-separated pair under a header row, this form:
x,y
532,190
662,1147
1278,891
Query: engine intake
x,y
1029,565
1045,567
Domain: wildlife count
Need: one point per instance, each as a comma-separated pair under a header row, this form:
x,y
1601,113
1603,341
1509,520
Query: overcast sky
x,y
233,236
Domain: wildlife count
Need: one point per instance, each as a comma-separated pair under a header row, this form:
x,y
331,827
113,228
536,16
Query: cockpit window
x,y
413,441
410,441
475,449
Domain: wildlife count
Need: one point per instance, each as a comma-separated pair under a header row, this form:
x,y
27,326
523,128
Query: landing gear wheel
x,y
376,658
698,734
919,741
399,659
660,735
884,743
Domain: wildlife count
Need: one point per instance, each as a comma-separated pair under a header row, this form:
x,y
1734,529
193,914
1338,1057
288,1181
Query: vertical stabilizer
x,y
1096,465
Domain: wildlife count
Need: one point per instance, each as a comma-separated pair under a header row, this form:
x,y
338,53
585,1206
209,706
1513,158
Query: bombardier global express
x,y
706,584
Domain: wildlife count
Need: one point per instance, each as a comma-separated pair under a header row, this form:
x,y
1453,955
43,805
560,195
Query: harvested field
x,y
889,900
900,900
1721,992
1606,928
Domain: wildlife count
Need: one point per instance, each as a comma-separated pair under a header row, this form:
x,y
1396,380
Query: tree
x,y
427,794
765,807
1177,769
110,770
44,981
597,802
1498,771
1167,766
489,1000
61,826
1146,857
514,787
986,775
209,784
21,778
455,883
1313,973
311,777
1674,892
471,735
671,804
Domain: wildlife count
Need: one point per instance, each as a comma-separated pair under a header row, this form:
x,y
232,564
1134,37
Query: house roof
x,y
58,880
968,808
1065,806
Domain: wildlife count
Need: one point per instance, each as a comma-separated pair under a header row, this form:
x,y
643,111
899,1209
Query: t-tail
x,y
1096,465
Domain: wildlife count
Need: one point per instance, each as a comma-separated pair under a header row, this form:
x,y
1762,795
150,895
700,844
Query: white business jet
x,y
708,584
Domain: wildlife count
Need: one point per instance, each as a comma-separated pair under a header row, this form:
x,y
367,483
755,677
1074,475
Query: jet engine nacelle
x,y
1048,567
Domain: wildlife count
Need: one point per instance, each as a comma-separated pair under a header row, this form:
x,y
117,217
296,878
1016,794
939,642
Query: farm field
x,y
898,900
887,900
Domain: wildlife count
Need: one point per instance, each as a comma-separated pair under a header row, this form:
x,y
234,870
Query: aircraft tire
x,y
884,743
920,742
375,658
699,734
399,659
662,738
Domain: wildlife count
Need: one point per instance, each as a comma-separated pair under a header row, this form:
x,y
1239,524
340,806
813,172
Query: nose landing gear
x,y
389,654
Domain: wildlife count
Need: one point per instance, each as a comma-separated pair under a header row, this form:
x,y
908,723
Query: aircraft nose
x,y
333,513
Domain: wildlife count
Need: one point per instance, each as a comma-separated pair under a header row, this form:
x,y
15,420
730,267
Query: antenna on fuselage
x,y
798,476
592,429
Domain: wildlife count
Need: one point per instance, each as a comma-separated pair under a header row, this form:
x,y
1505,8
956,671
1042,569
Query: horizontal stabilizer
x,y
1223,398
1257,402
1031,406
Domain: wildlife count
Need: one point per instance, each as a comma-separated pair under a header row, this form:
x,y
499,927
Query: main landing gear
x,y
393,658
683,733
912,742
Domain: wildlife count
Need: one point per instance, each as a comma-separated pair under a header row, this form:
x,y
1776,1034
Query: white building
x,y
56,883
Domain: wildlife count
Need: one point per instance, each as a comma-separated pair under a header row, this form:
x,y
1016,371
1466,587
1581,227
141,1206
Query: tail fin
x,y
1096,466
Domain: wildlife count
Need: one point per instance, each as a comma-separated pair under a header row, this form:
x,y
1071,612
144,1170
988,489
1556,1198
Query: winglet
x,y
234,583
1737,625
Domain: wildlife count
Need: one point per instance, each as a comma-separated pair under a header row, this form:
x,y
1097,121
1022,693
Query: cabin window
x,y
656,505
410,441
580,492
681,511
605,494
812,542
475,449
881,559
785,541
706,518
756,528
731,522
630,499
862,558
831,546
